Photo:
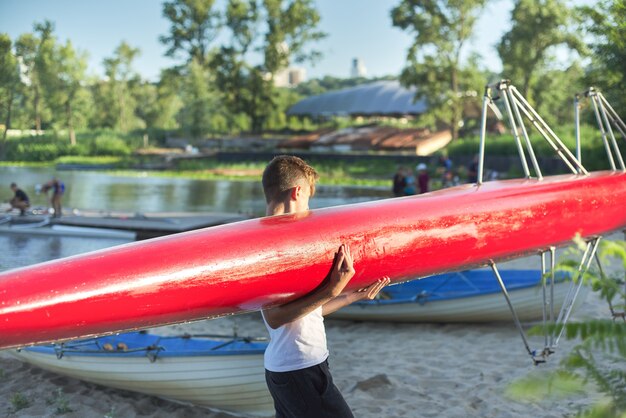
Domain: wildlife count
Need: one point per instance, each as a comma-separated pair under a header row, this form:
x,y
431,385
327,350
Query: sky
x,y
356,29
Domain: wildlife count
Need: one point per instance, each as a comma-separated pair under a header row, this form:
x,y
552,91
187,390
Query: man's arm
x,y
340,274
369,292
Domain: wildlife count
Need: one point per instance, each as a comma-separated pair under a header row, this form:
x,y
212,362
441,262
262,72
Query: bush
x,y
107,144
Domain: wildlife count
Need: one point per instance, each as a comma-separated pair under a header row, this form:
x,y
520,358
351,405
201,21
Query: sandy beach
x,y
383,370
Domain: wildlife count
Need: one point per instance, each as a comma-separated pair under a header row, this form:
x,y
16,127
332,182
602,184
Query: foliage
x,y
34,50
194,27
281,30
107,144
201,110
118,88
593,155
60,402
358,173
19,401
434,65
9,83
527,48
600,356
605,22
78,159
553,93
534,387
49,147
329,83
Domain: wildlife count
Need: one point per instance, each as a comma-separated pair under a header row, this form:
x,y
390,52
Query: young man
x,y
20,200
296,366
58,188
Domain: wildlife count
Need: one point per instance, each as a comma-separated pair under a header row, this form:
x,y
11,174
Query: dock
x,y
144,225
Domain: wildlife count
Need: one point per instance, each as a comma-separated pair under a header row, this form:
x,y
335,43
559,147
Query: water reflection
x,y
105,192
25,250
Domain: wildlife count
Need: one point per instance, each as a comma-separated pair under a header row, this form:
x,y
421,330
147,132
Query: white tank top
x,y
297,345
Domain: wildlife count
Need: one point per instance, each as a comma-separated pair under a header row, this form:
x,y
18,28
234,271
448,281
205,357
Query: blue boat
x,y
465,296
221,373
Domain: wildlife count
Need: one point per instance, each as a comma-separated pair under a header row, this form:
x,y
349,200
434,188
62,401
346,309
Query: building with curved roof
x,y
380,98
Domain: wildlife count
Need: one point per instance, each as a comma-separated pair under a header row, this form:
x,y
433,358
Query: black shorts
x,y
307,393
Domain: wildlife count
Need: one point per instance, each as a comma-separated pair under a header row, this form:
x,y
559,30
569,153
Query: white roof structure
x,y
387,97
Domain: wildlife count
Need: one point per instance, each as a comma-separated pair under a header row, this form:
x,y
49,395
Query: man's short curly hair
x,y
285,172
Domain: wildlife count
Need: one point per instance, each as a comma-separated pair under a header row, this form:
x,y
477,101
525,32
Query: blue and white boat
x,y
224,374
465,296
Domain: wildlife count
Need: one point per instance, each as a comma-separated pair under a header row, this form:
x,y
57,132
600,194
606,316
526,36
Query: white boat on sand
x,y
224,374
466,296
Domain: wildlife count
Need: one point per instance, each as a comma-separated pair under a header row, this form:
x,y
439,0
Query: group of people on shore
x,y
21,202
407,183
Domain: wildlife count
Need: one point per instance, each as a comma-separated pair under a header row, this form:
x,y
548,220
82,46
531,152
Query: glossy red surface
x,y
250,264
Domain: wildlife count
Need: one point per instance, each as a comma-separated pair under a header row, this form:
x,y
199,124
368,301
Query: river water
x,y
139,193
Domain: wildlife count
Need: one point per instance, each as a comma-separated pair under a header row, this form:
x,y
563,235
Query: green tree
x,y
63,84
158,103
200,102
34,50
119,103
282,30
194,26
605,22
434,66
554,93
539,26
9,84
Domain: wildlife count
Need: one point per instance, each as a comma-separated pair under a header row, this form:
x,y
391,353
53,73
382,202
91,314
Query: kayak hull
x,y
258,263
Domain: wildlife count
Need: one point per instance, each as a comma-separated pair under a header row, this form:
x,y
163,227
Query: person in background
x,y
445,168
19,201
472,171
445,162
410,186
399,182
423,179
58,189
296,366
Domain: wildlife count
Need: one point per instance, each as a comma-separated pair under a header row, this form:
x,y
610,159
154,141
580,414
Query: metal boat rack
x,y
515,107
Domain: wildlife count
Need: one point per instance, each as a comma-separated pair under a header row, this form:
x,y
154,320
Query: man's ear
x,y
295,192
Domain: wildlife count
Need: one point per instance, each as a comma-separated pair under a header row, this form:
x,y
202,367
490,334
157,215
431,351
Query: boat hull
x,y
491,307
226,382
263,262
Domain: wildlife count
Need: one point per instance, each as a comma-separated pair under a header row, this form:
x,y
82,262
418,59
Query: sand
x,y
383,370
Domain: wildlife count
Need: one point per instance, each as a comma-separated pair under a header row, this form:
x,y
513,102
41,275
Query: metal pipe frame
x,y
573,283
483,133
565,154
544,309
617,121
577,124
548,303
518,324
607,148
594,243
529,146
515,133
610,131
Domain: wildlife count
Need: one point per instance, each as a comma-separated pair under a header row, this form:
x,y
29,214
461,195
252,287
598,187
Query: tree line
x,y
229,57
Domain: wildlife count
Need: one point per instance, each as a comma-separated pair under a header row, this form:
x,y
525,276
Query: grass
x,y
19,401
61,403
370,174
99,160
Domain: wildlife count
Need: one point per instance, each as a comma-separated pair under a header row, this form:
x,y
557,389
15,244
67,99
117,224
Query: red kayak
x,y
252,264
